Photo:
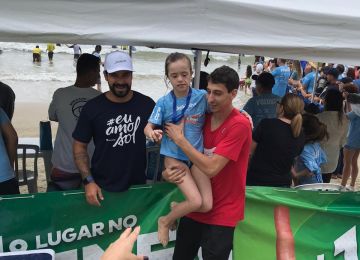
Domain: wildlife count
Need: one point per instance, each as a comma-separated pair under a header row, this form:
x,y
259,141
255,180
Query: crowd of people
x,y
290,132
324,104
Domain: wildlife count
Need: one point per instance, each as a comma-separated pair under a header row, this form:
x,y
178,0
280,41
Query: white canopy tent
x,y
312,30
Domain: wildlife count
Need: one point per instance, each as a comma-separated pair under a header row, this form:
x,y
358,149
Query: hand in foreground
x,y
174,174
122,247
93,194
175,132
285,244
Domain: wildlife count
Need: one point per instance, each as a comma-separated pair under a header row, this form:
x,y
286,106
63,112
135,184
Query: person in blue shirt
x,y
264,104
188,106
308,164
281,75
308,81
8,143
352,146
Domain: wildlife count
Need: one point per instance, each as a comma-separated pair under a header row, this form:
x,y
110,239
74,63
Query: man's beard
x,y
120,93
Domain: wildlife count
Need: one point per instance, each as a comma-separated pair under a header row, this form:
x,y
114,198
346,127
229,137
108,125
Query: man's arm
x,y
92,190
81,158
11,141
210,166
253,148
52,109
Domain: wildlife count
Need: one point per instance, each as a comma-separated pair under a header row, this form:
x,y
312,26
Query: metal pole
x,y
315,82
197,68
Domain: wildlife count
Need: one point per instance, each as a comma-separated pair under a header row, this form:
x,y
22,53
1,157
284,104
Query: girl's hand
x,y
156,135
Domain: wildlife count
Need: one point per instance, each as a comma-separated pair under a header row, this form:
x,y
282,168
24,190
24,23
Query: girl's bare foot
x,y
163,231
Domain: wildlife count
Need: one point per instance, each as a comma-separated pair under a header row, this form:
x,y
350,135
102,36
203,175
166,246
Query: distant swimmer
x,y
77,50
50,50
36,54
96,53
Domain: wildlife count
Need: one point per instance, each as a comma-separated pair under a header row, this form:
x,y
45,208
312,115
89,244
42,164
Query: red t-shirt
x,y
231,140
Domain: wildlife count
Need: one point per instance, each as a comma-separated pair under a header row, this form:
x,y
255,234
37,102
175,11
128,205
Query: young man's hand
x,y
175,132
174,174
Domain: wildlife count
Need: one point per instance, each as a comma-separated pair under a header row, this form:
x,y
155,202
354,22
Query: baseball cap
x,y
116,61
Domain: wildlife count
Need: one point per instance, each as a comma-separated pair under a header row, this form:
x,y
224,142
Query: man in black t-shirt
x,y
115,121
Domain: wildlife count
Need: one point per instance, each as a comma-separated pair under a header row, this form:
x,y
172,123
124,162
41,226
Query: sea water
x,y
36,82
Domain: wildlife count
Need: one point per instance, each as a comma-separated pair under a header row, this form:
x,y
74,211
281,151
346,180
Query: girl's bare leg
x,y
204,185
192,203
348,155
354,168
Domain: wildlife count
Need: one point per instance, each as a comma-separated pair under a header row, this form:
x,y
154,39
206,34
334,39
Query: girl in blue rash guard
x,y
308,164
187,105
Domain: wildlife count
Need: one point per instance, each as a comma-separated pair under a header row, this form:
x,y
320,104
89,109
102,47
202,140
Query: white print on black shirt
x,y
124,127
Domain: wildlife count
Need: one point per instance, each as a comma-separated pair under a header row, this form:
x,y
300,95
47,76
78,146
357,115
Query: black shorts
x,y
9,187
216,241
76,56
36,57
50,55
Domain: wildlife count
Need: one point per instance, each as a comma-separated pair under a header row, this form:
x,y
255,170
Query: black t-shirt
x,y
274,155
117,129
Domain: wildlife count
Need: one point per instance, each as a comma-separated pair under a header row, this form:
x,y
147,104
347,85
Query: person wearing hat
x,y
115,122
263,105
332,79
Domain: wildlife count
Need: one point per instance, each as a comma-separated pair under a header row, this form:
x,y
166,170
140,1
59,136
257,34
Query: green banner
x,y
288,224
279,223
65,223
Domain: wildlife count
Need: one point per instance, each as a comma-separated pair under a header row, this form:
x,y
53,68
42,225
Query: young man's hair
x,y
227,76
87,63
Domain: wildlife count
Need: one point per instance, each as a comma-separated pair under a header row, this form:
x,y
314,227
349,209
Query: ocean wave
x,y
19,76
55,77
141,52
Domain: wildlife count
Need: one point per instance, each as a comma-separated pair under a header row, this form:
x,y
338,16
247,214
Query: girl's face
x,y
179,74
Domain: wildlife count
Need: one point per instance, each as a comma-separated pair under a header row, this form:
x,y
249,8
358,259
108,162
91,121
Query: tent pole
x,y
315,82
197,68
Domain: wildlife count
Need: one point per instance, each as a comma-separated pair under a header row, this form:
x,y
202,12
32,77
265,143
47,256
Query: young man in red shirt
x,y
227,140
